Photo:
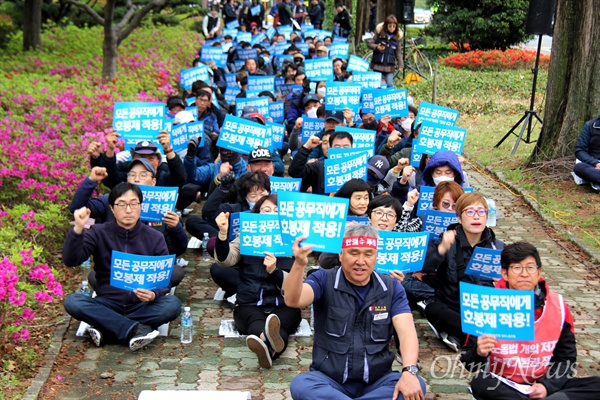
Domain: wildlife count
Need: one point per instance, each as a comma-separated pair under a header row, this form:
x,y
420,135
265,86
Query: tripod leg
x,y
525,124
511,130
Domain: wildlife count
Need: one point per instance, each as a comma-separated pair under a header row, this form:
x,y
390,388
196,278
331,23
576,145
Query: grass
x,y
490,104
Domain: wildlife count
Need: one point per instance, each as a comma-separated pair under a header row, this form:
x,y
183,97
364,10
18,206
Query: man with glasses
x,y
547,363
448,258
117,315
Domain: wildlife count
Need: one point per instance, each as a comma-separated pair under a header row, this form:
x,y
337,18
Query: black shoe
x,y
192,146
141,335
96,336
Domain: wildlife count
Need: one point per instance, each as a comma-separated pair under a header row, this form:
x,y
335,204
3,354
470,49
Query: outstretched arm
x,y
296,293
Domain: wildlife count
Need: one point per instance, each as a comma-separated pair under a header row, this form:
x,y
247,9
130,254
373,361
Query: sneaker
x,y
142,335
422,305
272,326
95,335
452,342
595,186
259,348
437,334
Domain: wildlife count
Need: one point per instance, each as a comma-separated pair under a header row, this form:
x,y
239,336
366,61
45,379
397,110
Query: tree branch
x,y
137,18
87,9
131,8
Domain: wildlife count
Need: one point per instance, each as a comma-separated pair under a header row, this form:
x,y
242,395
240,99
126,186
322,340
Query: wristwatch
x,y
413,369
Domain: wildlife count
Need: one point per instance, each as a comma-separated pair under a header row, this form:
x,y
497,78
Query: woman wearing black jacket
x,y
387,51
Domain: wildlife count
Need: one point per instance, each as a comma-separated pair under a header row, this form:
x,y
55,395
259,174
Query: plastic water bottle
x,y
187,328
491,221
85,289
204,244
85,268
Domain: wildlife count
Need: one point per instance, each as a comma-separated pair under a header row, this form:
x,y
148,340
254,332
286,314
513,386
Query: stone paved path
x,y
214,363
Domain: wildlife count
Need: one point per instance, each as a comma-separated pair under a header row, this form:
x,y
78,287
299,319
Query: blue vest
x,y
352,344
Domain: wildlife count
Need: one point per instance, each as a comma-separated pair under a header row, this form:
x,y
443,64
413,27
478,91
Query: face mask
x,y
267,59
407,124
372,126
321,91
312,113
441,179
250,203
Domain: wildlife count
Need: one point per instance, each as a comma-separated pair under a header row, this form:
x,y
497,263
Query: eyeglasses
x,y
141,175
268,209
204,100
123,206
517,269
381,214
446,205
469,212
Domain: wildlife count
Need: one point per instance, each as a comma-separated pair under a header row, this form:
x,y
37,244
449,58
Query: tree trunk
x,y
385,8
362,19
111,42
32,25
573,79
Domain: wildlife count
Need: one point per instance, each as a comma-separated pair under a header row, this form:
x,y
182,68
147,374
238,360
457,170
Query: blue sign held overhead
x,y
158,200
261,83
303,46
261,104
393,103
341,95
311,127
285,184
260,233
485,263
258,38
357,64
341,170
138,121
505,313
401,251
436,114
437,222
358,220
321,218
319,69
191,75
271,32
339,50
243,136
368,80
231,93
245,54
280,48
254,11
231,32
277,134
436,137
362,139
215,54
234,225
131,271
276,111
232,24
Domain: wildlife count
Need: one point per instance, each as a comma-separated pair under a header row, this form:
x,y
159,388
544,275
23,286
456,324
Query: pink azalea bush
x,y
53,103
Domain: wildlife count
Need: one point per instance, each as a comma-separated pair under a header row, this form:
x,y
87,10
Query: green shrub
x,y
165,19
7,26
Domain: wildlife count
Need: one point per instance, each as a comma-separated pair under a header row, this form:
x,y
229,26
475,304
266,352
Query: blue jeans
x,y
389,78
587,172
116,320
417,290
315,385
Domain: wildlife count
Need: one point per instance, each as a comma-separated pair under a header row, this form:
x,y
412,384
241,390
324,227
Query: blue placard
x,y
505,313
401,251
485,263
415,156
231,93
231,32
271,32
311,127
252,94
321,218
368,98
393,103
319,69
138,121
305,26
358,220
191,101
214,54
234,225
303,46
280,48
279,82
258,38
286,31
436,137
193,110
132,271
158,200
232,24
280,59
261,83
243,136
368,80
276,109
196,129
277,134
261,104
362,139
230,81
285,184
245,54
357,64
437,114
255,10
189,76
341,95
339,39
179,137
260,233
310,32
239,64
339,50
340,170
436,222
323,34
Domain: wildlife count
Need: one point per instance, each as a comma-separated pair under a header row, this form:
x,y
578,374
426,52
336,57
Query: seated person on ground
x,y
587,152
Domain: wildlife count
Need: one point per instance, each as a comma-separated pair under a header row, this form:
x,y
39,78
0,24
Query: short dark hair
x,y
271,197
251,180
353,185
197,85
202,93
517,252
267,93
123,188
385,200
413,110
340,135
